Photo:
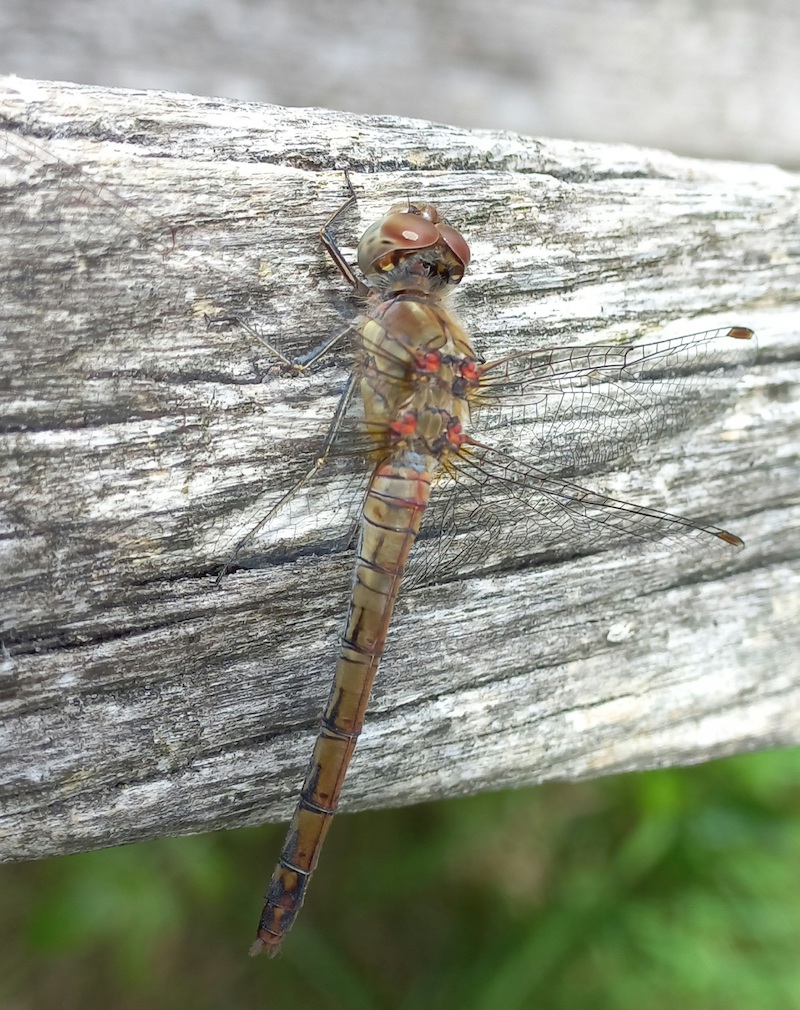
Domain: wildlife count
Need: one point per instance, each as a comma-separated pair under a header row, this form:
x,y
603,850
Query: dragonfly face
x,y
413,243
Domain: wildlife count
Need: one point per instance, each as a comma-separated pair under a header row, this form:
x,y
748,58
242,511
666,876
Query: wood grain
x,y
144,425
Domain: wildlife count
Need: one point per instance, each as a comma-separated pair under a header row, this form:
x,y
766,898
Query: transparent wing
x,y
560,412
497,512
574,408
317,510
137,432
578,407
90,214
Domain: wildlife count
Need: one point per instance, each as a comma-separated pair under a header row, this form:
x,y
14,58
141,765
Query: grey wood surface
x,y
145,427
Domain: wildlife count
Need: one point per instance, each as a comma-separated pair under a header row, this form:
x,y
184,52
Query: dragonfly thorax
x,y
418,374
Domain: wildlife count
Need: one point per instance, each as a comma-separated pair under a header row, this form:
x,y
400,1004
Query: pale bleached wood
x,y
141,431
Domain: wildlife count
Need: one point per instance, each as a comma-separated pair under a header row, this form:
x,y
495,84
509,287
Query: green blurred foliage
x,y
676,888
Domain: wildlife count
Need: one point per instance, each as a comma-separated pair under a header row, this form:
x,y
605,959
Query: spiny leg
x,y
329,242
299,365
335,253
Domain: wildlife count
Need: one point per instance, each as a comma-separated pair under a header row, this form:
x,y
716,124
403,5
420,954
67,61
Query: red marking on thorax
x,y
404,426
431,361
470,371
455,435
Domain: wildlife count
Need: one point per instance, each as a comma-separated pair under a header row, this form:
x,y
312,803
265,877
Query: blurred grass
x,y
676,888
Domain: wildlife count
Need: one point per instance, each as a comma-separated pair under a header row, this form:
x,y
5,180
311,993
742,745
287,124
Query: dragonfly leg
x,y
299,365
335,253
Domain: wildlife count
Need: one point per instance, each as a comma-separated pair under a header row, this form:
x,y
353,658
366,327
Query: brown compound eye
x,y
395,233
408,231
456,243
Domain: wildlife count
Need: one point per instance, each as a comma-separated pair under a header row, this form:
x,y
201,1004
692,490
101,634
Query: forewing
x,y
575,408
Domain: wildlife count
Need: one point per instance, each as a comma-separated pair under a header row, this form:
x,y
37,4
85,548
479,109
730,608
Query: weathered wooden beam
x,y
144,427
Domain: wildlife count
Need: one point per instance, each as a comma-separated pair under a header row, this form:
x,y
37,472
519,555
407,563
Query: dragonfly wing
x,y
171,434
316,509
497,512
575,408
320,516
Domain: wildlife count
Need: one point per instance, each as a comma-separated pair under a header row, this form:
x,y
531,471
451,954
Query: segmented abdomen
x,y
396,498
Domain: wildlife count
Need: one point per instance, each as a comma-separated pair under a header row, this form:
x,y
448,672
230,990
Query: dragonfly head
x,y
413,243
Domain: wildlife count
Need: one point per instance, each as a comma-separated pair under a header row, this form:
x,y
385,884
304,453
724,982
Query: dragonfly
x,y
420,408
436,464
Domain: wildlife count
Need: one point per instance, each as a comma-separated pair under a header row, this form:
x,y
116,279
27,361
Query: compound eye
x,y
455,242
408,231
397,232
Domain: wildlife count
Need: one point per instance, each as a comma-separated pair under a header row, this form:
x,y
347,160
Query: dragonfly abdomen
x,y
396,498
